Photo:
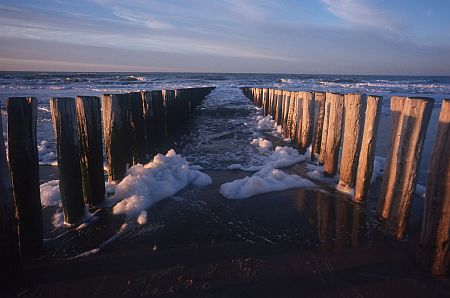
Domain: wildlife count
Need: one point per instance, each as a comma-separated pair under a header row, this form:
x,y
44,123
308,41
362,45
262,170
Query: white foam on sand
x,y
46,156
147,184
266,180
282,157
261,143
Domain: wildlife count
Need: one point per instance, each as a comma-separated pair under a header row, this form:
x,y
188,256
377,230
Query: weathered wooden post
x,y
307,120
319,111
168,103
278,106
326,116
64,117
265,101
90,130
367,152
334,132
353,106
24,168
9,242
415,117
286,101
433,251
116,134
137,128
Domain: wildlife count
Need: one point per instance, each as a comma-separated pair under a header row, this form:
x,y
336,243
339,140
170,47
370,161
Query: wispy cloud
x,y
149,21
361,13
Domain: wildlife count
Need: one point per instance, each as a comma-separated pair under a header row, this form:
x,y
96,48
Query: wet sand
x,y
292,243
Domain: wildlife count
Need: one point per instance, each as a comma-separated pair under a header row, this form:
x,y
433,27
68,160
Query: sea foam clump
x,y
147,184
266,123
266,180
261,143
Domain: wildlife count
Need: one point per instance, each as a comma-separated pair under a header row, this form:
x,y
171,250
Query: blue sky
x,y
312,36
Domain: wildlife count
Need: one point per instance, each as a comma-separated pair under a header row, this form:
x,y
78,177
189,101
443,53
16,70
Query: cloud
x,y
149,21
361,13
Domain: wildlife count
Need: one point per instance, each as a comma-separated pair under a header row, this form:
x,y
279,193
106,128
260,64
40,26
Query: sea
x,y
224,125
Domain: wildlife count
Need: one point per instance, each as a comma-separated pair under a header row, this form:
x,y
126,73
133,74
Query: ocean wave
x,y
133,79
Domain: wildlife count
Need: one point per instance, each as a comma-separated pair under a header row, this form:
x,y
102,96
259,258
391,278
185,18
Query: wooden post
x,y
291,122
319,111
384,202
367,153
353,106
287,101
299,118
435,235
90,130
9,242
334,134
168,103
265,102
116,134
326,121
24,168
416,115
68,150
307,120
278,105
137,128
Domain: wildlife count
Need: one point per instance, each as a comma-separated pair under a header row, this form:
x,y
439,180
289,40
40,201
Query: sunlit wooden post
x,y
265,101
279,106
334,134
116,134
291,121
68,150
367,153
90,130
319,111
415,117
287,102
299,118
326,121
9,242
433,252
24,169
353,107
307,120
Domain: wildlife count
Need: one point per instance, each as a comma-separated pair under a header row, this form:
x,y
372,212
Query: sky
x,y
400,37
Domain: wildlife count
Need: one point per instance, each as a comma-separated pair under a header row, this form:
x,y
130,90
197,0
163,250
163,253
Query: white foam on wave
x,y
147,184
282,157
46,156
266,180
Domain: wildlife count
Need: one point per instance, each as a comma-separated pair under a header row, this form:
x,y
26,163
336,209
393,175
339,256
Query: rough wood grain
x,y
307,120
326,121
368,144
416,115
68,150
24,169
334,133
353,111
434,246
137,128
116,134
90,130
390,173
9,242
319,113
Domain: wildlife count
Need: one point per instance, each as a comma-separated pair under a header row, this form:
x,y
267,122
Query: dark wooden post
x,y
116,134
353,106
168,103
433,251
265,102
90,130
367,153
319,111
9,242
334,134
414,122
137,127
68,150
24,168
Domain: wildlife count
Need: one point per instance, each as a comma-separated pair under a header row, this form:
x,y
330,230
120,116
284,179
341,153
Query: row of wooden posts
x,y
346,125
134,125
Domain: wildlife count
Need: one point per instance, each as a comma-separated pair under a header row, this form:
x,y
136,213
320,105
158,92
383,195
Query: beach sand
x,y
290,243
